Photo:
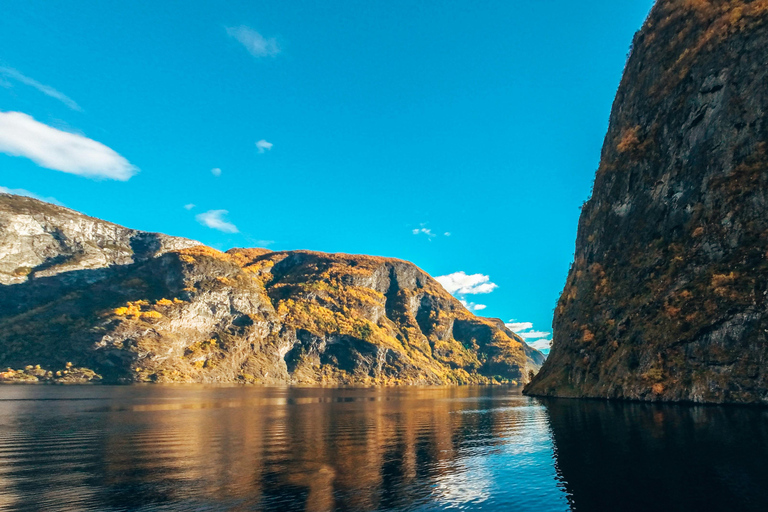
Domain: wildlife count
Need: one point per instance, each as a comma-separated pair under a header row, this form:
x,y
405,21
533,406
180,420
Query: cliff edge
x,y
666,298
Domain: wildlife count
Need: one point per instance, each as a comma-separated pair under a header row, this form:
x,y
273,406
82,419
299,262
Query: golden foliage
x,y
629,140
137,309
722,284
204,250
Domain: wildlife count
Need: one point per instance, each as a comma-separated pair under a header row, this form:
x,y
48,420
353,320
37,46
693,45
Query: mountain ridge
x,y
82,298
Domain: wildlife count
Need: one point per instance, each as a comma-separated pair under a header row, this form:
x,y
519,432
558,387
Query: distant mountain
x,y
666,298
82,299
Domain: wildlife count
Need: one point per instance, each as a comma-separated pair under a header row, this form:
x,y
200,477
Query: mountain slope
x,y
133,306
666,297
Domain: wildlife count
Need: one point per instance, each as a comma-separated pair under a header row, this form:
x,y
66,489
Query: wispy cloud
x,y
427,232
21,135
263,146
518,326
27,193
189,206
214,219
542,345
460,283
216,171
256,44
13,74
424,231
533,334
525,331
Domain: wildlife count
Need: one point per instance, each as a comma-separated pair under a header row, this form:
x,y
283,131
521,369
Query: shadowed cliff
x,y
666,297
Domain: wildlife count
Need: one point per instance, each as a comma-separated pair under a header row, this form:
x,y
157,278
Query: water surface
x,y
171,448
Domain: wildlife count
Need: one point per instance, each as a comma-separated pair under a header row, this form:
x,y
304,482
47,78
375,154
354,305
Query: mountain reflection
x,y
174,448
631,456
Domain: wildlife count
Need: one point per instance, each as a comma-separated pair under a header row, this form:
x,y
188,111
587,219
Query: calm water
x,y
217,448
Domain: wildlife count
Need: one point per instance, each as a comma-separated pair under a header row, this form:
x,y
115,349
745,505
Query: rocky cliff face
x,y
666,298
81,297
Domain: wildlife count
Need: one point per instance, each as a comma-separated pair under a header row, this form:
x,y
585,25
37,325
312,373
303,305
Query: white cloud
x,y
424,231
45,89
472,306
263,146
532,334
518,326
447,233
27,193
214,219
525,331
462,284
256,44
189,206
264,243
216,171
21,135
543,344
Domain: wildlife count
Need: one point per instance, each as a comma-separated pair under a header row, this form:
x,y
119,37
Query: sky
x,y
462,136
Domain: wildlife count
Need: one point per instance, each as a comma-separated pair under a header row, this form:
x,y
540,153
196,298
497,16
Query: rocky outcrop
x,y
666,298
140,307
39,239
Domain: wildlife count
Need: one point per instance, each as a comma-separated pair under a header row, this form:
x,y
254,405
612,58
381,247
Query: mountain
x,y
666,297
82,299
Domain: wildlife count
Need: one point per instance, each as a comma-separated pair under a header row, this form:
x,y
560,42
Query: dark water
x,y
196,448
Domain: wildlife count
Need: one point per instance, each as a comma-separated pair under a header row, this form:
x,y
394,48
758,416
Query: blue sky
x,y
462,136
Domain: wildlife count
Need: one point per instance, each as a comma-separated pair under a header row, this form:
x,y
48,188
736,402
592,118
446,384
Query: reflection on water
x,y
631,456
197,448
470,448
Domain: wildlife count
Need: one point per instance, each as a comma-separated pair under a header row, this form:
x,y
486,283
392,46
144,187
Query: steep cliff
x,y
666,298
83,298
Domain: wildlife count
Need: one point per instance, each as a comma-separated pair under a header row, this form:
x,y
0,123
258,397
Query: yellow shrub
x,y
629,139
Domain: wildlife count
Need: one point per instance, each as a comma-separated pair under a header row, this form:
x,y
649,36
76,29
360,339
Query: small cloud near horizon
x,y
542,345
216,171
263,146
189,206
525,331
472,306
214,219
256,44
533,334
461,283
14,74
21,135
518,326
